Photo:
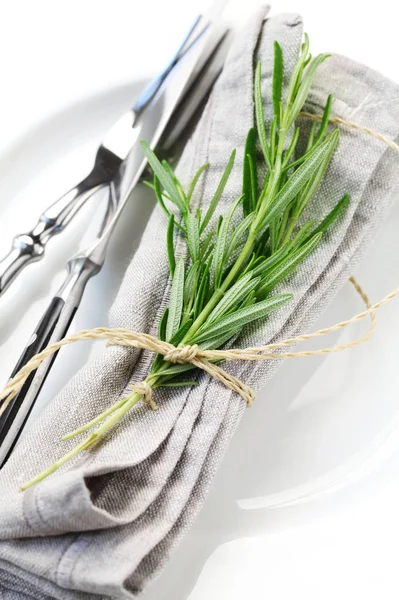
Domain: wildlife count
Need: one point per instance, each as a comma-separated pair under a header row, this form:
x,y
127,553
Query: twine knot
x,y
145,390
203,359
185,354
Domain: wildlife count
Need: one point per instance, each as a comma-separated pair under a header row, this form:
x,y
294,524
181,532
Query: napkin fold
x,y
104,526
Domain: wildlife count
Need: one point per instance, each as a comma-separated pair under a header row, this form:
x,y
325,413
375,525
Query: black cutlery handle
x,y
52,327
42,333
38,341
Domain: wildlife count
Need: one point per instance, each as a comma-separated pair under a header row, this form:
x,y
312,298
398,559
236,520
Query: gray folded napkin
x,y
103,526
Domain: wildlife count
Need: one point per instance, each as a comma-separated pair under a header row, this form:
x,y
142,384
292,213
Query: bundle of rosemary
x,y
236,260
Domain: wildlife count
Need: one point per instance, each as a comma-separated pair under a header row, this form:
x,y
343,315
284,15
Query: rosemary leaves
x,y
235,260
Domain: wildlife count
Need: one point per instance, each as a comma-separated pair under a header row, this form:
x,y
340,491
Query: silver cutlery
x,y
30,247
204,56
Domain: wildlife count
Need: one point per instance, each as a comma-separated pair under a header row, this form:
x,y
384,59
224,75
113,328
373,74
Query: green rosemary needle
x,y
234,265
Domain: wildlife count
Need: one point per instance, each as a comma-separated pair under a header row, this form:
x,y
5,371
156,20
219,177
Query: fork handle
x,y
29,247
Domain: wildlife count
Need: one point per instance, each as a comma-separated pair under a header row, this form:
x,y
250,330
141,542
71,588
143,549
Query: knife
x,y
58,317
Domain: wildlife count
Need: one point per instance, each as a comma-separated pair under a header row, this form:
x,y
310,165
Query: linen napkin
x,y
103,526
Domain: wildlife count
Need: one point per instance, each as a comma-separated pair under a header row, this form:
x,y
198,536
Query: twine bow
x,y
198,357
203,358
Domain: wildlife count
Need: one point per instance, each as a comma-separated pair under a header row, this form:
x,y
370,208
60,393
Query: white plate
x,y
305,503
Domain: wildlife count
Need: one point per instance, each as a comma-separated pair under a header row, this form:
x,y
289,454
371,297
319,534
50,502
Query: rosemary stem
x,y
151,379
218,294
118,411
54,467
289,231
97,419
130,401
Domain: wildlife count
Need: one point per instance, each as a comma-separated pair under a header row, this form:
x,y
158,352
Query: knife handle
x,y
52,327
41,335
38,341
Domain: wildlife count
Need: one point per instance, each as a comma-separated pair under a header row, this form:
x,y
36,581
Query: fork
x,y
30,247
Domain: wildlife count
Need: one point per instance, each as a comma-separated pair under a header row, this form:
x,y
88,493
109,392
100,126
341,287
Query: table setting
x,y
232,240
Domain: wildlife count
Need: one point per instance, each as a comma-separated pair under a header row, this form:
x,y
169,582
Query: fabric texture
x,y
104,526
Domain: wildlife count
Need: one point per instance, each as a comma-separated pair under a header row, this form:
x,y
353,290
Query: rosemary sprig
x,y
235,262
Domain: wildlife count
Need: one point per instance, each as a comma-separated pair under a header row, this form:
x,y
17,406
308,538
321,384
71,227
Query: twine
x,y
338,121
202,358
145,390
195,355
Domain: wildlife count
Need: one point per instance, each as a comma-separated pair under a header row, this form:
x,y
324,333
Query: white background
x,y
305,505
